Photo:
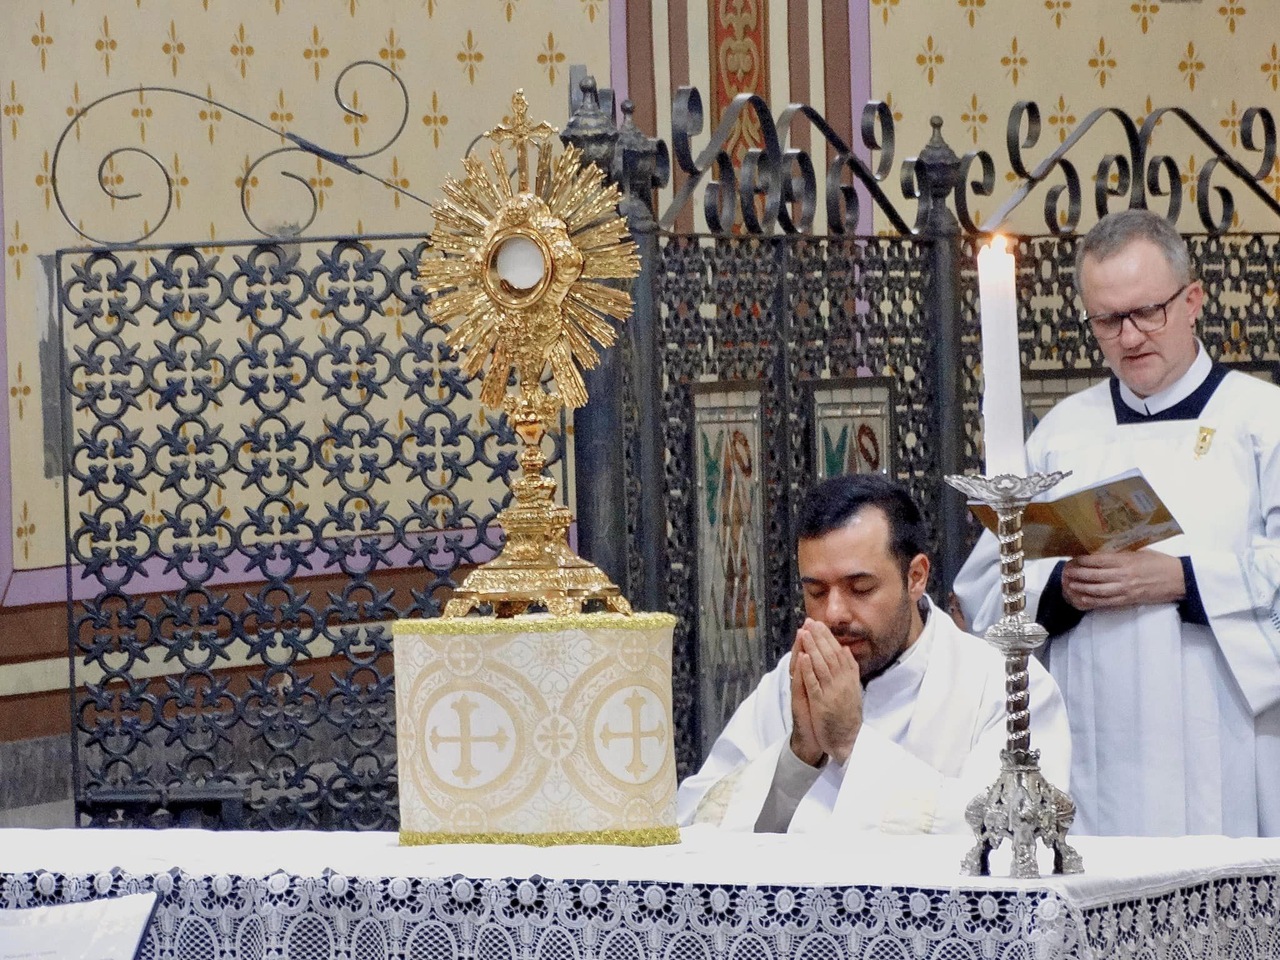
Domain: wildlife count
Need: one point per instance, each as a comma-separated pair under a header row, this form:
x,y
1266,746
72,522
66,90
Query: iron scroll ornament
x,y
779,176
299,144
775,186
1139,173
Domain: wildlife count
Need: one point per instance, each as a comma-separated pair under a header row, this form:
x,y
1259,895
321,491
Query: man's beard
x,y
884,647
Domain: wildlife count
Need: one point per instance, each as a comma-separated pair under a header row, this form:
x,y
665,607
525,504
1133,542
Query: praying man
x,y
884,716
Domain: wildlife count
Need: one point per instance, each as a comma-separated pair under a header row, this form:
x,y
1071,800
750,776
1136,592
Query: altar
x,y
315,896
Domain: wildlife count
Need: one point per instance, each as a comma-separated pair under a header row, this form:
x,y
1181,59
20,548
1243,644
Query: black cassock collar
x,y
1188,408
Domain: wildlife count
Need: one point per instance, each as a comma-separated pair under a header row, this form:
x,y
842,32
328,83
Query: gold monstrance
x,y
518,273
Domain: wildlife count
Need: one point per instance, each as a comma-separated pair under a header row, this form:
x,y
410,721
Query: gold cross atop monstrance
x,y
518,275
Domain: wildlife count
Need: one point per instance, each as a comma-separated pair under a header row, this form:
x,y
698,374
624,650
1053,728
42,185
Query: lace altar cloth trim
x,y
363,918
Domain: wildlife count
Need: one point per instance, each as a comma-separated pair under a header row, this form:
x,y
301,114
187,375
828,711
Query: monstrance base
x,y
511,587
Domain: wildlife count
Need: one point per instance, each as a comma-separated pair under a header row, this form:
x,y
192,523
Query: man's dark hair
x,y
837,500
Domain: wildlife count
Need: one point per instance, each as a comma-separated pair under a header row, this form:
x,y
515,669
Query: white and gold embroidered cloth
x,y
536,729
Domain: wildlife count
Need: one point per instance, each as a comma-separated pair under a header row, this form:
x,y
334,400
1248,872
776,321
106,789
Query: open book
x,y
1119,513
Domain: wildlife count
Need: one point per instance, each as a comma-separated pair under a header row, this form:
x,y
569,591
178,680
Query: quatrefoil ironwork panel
x,y
272,456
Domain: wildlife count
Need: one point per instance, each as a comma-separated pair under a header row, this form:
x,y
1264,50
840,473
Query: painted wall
x,y
970,61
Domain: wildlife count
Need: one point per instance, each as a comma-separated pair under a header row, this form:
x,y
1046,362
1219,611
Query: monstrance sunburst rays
x,y
570,217
520,275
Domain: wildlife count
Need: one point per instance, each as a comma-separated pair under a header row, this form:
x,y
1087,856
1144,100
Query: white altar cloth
x,y
361,895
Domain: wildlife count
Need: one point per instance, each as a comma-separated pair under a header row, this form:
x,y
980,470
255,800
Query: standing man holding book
x,y
1169,656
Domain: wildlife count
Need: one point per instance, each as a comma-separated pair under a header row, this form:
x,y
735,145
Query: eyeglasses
x,y
1148,319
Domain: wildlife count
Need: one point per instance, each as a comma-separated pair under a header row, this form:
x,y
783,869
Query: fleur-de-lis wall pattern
x,y
969,61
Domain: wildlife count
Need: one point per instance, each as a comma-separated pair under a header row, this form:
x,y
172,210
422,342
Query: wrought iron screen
x,y
1240,322
272,455
779,312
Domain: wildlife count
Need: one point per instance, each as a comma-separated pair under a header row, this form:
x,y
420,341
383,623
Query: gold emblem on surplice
x,y
1204,441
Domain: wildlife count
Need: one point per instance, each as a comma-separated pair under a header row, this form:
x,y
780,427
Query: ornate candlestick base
x,y
1021,805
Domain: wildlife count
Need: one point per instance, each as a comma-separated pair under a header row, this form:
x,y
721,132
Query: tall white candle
x,y
1001,371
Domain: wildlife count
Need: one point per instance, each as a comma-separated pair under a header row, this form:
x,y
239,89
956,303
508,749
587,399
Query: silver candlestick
x,y
1021,805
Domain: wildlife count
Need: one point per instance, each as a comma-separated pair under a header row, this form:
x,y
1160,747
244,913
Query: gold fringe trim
x,y
533,623
646,837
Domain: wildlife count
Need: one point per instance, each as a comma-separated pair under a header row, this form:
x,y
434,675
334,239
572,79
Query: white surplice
x,y
1175,725
932,731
